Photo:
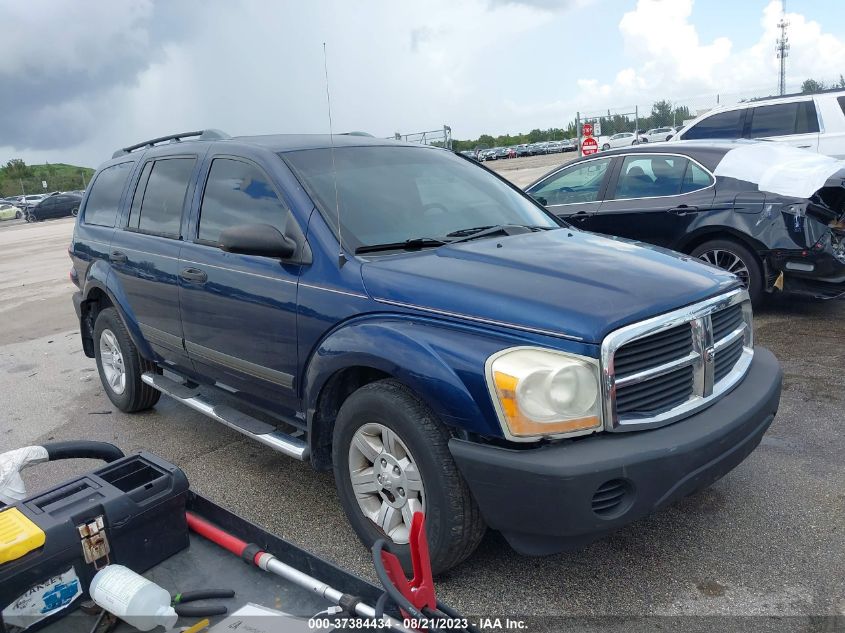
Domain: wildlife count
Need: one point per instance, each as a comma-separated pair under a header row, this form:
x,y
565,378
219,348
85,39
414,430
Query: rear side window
x,y
650,177
721,125
841,101
782,119
162,196
238,193
104,199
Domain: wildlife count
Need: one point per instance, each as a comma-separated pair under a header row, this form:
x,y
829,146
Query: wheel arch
x,y
368,350
100,292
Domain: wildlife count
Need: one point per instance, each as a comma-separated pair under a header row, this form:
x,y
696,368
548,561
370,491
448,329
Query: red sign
x,y
589,146
588,129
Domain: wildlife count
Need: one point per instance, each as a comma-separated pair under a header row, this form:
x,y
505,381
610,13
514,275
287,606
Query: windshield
x,y
394,194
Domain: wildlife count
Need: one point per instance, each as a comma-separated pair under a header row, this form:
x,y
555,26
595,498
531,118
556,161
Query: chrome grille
x,y
656,394
664,368
654,350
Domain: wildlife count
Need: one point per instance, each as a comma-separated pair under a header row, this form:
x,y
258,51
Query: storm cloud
x,y
63,61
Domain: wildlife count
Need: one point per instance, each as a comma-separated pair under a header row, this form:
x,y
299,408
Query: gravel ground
x,y
767,540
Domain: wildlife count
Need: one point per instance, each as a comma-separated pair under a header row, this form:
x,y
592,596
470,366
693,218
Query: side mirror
x,y
256,239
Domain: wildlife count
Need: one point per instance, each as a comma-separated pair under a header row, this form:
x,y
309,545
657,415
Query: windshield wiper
x,y
412,244
496,229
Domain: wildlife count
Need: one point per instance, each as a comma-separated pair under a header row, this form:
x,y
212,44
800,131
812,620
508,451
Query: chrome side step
x,y
235,420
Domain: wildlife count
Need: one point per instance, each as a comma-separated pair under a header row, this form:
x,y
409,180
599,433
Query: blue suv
x,y
407,318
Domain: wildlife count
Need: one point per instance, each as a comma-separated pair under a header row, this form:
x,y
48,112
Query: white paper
x,y
779,168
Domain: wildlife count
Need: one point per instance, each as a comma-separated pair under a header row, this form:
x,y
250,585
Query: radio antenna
x,y
341,258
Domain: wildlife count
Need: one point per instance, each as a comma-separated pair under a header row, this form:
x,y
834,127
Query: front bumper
x,y
542,499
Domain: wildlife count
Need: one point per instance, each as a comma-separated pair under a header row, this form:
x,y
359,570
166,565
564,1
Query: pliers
x,y
198,610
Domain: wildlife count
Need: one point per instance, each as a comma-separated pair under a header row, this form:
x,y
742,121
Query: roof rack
x,y
202,135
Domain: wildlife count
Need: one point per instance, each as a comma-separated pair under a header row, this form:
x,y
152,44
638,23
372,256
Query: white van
x,y
815,122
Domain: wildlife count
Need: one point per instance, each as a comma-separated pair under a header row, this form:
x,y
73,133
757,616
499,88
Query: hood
x,y
565,281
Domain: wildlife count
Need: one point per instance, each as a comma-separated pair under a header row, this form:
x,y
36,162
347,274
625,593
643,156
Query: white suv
x,y
814,122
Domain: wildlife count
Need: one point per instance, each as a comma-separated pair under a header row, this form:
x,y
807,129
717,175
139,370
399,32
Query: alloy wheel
x,y
728,261
111,359
386,480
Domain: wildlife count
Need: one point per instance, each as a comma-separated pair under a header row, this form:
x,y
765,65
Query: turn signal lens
x,y
545,393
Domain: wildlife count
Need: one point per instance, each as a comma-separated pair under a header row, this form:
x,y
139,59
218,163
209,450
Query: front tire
x,y
120,365
391,458
605,147
736,258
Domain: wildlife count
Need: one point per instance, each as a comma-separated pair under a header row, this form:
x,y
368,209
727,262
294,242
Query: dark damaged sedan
x,y
772,214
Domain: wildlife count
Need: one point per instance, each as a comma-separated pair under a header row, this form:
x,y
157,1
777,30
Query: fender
x,y
437,361
99,276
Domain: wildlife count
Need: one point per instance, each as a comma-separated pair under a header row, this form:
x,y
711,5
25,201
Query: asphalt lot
x,y
525,170
767,540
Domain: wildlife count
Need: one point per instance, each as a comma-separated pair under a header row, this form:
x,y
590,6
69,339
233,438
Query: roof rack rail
x,y
202,135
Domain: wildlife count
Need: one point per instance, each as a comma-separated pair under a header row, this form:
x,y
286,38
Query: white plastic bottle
x,y
132,598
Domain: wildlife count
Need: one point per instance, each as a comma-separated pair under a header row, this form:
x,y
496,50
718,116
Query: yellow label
x,y
18,535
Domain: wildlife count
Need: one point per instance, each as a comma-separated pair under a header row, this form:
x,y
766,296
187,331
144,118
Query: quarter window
x,y
104,199
722,125
163,197
650,177
238,193
695,178
579,183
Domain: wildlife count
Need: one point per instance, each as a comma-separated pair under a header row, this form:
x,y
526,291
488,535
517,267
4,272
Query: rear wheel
x,y
737,259
120,365
605,147
75,211
391,459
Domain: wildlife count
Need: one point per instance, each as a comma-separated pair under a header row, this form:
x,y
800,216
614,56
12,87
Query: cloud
x,y
62,61
666,57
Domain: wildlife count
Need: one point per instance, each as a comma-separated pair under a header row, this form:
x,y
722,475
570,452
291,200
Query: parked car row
x,y
41,206
525,149
623,139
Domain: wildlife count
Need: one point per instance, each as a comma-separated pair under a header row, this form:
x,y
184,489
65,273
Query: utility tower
x,y
782,50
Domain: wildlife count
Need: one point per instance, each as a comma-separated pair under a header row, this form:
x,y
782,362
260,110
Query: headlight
x,y
539,392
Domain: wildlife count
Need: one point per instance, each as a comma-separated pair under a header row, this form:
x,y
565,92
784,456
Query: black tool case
x,y
131,512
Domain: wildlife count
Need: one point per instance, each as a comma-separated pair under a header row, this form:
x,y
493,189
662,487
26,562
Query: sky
x,y
80,79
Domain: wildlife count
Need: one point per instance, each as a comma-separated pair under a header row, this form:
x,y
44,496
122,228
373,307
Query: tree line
x,y
17,178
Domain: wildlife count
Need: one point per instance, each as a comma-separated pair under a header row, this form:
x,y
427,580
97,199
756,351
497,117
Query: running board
x,y
235,420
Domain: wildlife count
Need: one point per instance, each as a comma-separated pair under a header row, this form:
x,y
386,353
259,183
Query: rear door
x,y
795,123
145,252
239,311
654,198
575,191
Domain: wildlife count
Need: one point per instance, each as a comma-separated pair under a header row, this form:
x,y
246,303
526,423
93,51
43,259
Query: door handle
x,y
803,146
117,257
683,210
194,275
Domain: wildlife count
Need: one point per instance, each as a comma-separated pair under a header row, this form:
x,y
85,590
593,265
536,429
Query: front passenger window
x,y
238,193
579,183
